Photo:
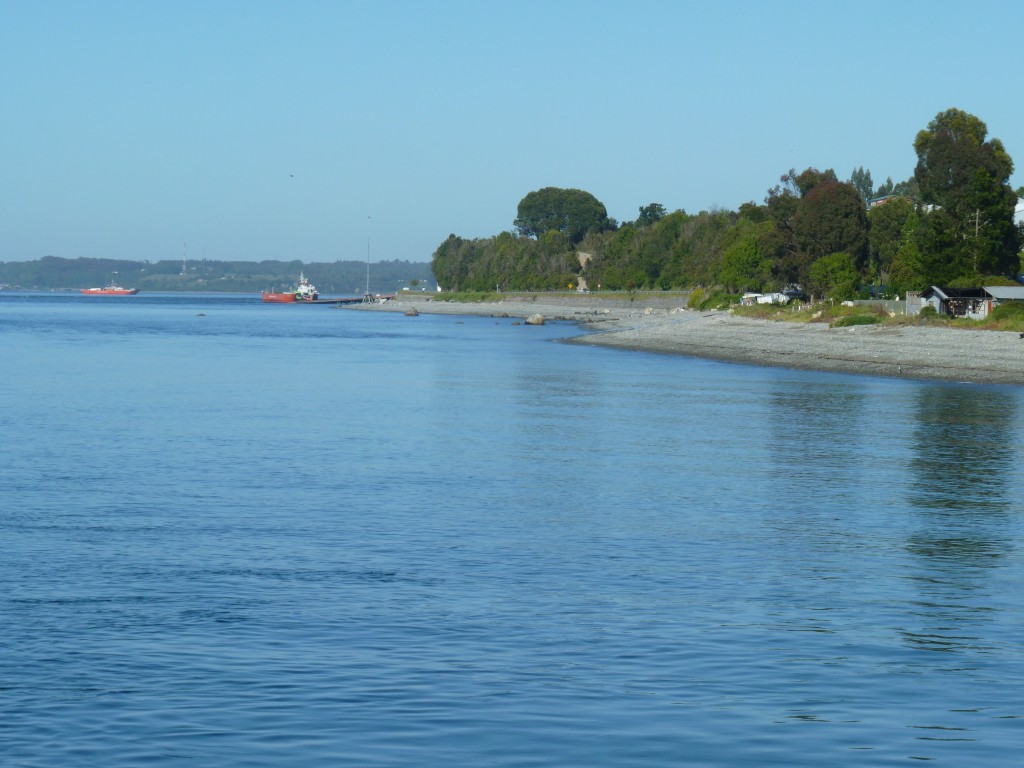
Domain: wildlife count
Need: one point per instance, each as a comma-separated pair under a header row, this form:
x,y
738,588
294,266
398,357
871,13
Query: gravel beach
x,y
655,325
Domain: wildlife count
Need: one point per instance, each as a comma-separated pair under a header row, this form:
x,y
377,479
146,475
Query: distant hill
x,y
339,277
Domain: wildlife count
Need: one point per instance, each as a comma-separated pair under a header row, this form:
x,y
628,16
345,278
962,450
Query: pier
x,y
377,299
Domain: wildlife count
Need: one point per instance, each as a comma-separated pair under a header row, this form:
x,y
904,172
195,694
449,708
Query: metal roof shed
x,y
1005,292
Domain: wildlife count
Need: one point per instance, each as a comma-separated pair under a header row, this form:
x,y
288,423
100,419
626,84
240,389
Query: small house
x,y
975,303
956,302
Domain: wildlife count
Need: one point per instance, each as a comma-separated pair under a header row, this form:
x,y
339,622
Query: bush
x,y
928,312
701,299
849,320
1011,310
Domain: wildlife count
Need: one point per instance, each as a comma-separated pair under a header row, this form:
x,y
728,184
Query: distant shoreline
x,y
655,325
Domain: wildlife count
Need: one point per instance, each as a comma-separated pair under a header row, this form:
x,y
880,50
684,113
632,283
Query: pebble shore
x,y
917,352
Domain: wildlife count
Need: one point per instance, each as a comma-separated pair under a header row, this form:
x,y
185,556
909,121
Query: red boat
x,y
278,298
305,292
110,290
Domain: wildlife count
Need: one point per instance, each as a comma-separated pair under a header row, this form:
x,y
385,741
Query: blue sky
x,y
302,130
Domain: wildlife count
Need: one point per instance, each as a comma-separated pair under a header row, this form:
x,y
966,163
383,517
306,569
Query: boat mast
x,y
368,218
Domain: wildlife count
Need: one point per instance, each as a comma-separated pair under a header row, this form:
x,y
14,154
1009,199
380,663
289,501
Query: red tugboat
x,y
305,292
110,290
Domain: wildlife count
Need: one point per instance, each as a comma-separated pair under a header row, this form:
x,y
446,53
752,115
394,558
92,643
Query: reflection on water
x,y
963,459
815,430
963,449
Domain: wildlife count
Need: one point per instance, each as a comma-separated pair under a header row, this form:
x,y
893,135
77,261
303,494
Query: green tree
x,y
570,211
745,264
831,218
651,213
885,234
905,273
908,188
964,178
812,178
834,275
753,212
798,225
861,180
702,241
885,188
783,200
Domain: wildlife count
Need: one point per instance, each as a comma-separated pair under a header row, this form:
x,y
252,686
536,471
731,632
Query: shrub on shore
x,y
1011,310
717,299
860,319
1007,317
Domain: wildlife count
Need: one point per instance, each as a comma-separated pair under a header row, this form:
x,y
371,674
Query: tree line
x,y
340,277
951,223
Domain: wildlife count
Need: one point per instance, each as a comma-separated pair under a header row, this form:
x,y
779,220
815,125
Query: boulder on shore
x,y
412,312
535,320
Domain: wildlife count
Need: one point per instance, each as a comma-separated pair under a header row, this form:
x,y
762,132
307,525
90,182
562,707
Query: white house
x,y
750,299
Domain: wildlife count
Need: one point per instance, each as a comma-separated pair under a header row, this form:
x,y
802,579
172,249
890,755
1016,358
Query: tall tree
x,y
969,229
831,219
905,273
570,211
861,179
886,232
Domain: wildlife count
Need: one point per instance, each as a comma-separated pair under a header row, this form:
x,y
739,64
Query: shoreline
x,y
661,326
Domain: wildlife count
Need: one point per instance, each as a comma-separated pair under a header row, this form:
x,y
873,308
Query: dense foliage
x,y
965,179
571,212
950,223
340,277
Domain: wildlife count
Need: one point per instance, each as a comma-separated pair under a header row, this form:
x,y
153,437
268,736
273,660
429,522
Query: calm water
x,y
248,535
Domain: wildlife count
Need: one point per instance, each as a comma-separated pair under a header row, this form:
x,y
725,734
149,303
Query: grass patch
x,y
836,315
1007,317
851,320
469,297
787,312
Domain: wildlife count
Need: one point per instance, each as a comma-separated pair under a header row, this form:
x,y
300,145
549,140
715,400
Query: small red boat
x,y
305,292
110,290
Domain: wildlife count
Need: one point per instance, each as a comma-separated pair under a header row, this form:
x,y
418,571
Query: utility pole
x,y
977,232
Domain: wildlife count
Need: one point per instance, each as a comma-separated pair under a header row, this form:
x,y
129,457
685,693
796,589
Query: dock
x,y
376,299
